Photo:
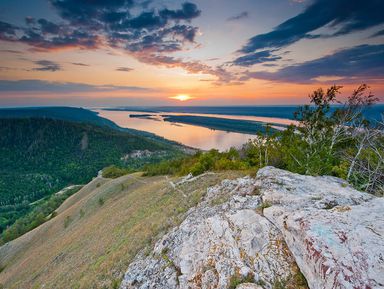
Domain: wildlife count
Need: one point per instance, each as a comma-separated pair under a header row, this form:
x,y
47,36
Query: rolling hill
x,y
98,231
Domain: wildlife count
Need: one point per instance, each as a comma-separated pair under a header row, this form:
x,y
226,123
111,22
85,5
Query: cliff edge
x,y
267,232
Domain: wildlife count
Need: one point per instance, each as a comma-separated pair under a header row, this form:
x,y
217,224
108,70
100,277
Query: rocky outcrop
x,y
335,233
250,232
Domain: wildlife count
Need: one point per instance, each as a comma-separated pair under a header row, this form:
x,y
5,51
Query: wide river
x,y
189,135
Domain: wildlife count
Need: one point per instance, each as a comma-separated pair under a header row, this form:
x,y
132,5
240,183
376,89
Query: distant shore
x,y
230,125
372,113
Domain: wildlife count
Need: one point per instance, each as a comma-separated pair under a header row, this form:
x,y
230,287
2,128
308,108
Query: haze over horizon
x,y
195,52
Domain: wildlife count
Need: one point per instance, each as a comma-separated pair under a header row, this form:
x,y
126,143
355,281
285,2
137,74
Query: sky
x,y
98,53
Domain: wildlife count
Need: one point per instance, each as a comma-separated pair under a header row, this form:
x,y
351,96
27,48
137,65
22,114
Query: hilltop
x,y
98,231
221,230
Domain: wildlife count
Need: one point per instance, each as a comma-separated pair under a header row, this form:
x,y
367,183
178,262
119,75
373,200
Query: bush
x,y
113,172
238,279
67,221
199,163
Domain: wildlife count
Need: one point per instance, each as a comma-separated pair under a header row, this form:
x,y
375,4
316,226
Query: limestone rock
x,y
214,244
335,233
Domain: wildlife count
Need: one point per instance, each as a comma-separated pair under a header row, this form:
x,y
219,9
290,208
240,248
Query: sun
x,y
182,97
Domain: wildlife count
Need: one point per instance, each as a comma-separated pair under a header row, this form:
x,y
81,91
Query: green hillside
x,y
60,112
41,156
74,114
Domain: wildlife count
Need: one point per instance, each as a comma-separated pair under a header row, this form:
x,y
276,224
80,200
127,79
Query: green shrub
x,y
238,279
279,284
199,163
116,283
113,172
67,221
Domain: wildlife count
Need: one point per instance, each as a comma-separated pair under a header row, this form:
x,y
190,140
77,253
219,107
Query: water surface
x,y
189,135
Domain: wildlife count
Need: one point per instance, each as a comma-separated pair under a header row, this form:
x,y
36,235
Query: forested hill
x,y
41,156
63,113
74,114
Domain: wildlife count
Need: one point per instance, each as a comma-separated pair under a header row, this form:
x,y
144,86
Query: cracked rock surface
x,y
333,232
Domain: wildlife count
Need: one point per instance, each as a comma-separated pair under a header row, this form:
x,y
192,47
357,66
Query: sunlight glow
x,y
182,97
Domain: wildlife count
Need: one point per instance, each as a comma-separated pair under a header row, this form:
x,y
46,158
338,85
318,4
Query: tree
x,y
366,161
334,137
316,126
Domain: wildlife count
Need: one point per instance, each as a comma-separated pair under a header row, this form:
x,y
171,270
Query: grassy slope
x,y
96,246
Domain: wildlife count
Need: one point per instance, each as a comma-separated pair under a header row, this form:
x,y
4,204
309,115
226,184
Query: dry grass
x,y
89,244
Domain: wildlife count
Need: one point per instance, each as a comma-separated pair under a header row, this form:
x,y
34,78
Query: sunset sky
x,y
201,52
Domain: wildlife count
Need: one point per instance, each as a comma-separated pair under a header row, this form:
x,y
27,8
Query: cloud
x,y
341,16
269,64
379,33
145,4
256,58
124,69
91,13
7,31
47,65
187,12
67,39
136,27
48,27
240,16
193,67
47,86
44,35
79,64
363,62
127,24
11,51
